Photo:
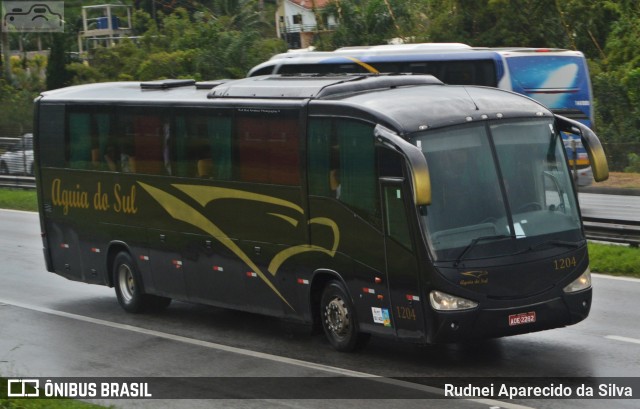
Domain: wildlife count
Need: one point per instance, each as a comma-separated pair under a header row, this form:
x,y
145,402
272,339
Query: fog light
x,y
445,302
581,283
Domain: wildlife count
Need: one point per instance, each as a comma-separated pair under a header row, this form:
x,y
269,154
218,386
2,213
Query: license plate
x,y
524,318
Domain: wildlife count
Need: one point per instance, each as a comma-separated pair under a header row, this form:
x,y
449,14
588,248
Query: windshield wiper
x,y
559,243
478,240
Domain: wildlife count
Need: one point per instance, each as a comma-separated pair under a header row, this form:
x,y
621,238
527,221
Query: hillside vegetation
x,y
223,39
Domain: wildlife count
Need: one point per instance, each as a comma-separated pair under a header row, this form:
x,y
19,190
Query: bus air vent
x,y
210,84
166,84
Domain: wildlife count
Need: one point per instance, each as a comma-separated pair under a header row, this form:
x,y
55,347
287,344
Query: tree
x,y
617,85
57,75
16,115
370,22
496,23
224,41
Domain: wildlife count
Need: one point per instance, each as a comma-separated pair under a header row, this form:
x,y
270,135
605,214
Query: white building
x,y
297,21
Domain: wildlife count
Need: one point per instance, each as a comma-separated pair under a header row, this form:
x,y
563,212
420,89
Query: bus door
x,y
400,249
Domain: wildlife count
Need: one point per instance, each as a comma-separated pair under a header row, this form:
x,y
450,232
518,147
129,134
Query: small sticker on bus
x,y
524,318
381,316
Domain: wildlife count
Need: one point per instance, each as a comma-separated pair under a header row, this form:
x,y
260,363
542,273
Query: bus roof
x,y
407,102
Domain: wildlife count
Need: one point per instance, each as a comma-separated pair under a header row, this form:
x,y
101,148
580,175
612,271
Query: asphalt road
x,y
52,327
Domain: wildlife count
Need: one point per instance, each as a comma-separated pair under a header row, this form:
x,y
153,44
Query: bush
x,y
634,163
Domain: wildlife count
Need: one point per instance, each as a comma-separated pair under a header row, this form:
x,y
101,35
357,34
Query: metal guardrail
x,y
615,231
20,182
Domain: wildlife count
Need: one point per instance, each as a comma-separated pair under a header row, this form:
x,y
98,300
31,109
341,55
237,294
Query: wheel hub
x,y
336,317
127,283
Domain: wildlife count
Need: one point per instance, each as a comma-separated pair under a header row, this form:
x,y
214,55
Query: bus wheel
x,y
339,320
128,284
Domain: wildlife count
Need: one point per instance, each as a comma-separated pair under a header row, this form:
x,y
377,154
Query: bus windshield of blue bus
x,y
561,83
501,189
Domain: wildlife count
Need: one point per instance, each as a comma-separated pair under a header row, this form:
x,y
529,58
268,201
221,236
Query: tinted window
x,y
342,164
267,149
247,146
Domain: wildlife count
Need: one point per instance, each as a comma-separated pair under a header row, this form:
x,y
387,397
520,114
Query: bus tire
x,y
339,320
129,289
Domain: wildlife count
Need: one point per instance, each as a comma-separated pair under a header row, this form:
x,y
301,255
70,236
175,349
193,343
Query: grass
x,y
614,260
46,403
18,199
621,180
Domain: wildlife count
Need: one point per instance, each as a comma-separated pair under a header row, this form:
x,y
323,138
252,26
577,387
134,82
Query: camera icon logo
x,y
33,16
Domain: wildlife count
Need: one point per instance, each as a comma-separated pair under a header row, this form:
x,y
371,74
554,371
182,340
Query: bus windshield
x,y
560,82
499,187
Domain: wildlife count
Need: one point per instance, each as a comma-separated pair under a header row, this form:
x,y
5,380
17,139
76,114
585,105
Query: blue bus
x,y
557,78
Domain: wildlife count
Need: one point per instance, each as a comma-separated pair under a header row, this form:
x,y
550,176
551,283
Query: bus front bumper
x,y
495,321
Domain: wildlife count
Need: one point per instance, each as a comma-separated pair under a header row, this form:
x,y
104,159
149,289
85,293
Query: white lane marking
x,y
619,278
623,339
255,354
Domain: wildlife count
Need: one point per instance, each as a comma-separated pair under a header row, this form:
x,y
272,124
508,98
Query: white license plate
x,y
524,318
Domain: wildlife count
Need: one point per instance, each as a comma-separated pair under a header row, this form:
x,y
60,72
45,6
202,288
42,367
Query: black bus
x,y
387,205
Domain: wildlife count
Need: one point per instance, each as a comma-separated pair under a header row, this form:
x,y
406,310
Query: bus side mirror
x,y
420,179
591,144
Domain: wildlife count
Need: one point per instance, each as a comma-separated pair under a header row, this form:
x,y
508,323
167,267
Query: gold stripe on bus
x,y
183,212
205,194
285,254
364,65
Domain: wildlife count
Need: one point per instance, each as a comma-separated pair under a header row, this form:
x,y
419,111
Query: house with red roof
x,y
298,22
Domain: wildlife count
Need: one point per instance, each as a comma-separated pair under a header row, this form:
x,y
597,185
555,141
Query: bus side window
x,y
191,146
200,145
319,161
357,165
79,142
267,149
221,146
101,140
342,164
391,168
148,138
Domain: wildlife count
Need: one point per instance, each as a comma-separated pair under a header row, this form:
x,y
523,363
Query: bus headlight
x,y
581,283
445,302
